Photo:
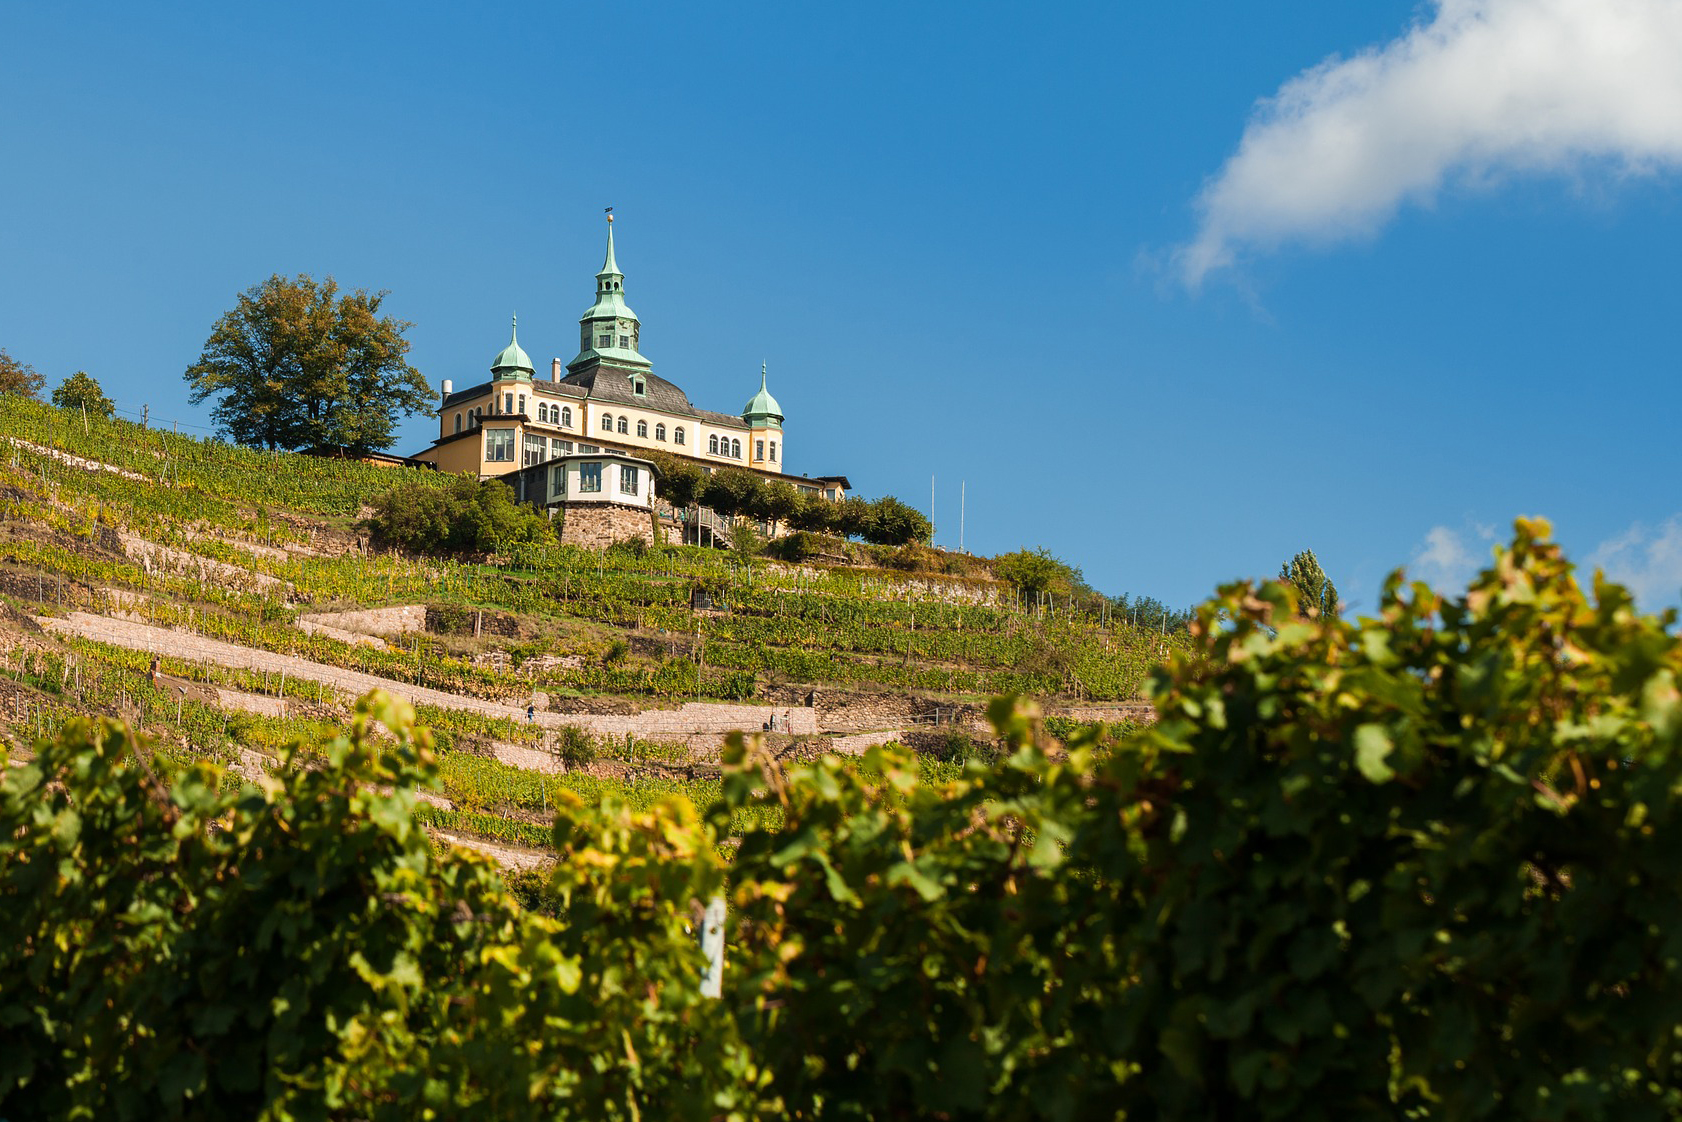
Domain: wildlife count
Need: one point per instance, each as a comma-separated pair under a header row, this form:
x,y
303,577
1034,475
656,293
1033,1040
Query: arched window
x,y
659,432
522,404
642,429
566,416
677,435
458,422
624,427
712,445
543,411
607,422
736,449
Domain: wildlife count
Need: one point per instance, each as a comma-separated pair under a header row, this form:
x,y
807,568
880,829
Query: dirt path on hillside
x,y
691,722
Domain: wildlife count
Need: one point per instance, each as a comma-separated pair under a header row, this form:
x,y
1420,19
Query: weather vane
x,y
610,216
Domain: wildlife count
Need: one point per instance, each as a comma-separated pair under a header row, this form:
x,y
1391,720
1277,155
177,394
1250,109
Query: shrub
x,y
575,747
469,515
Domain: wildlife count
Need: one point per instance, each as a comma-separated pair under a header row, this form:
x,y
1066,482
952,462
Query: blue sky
x,y
1177,290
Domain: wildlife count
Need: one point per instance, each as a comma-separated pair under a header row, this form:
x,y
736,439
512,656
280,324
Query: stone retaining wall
x,y
599,525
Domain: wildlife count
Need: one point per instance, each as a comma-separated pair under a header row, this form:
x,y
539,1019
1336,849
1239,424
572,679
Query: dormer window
x,y
604,340
638,386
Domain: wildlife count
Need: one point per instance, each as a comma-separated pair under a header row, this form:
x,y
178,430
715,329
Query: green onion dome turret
x,y
762,411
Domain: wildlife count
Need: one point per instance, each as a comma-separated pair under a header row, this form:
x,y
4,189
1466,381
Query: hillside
x,y
248,578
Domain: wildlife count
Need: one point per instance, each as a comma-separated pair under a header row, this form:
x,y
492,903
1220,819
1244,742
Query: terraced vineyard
x,y
111,520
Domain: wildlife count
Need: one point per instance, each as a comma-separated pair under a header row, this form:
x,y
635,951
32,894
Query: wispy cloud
x,y
1646,560
1477,90
1448,559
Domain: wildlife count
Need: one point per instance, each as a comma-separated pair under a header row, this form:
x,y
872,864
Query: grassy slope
x,y
280,531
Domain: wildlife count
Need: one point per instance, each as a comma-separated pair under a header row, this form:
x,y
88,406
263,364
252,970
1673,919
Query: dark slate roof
x,y
613,384
468,394
540,385
722,420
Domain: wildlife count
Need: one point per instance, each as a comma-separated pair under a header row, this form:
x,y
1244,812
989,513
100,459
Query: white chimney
x,y
447,387
555,370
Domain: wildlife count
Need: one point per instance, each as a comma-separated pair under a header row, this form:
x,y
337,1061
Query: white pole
x,y
712,945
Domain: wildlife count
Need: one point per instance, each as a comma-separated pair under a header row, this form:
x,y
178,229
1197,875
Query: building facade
x,y
607,399
599,498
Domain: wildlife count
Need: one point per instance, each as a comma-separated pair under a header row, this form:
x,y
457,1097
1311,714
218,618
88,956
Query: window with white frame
x,y
558,480
522,403
624,425
642,429
536,451
759,449
659,432
677,435
627,480
566,416
773,451
607,422
458,422
499,446
712,445
508,403
589,477
558,448
543,412
736,449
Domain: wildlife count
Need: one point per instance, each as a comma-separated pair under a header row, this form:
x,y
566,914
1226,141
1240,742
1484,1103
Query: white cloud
x,y
1648,562
1478,90
1448,559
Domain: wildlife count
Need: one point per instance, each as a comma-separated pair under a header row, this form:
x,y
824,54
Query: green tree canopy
x,y
298,365
80,391
1316,594
1035,571
19,377
731,491
677,481
892,522
466,516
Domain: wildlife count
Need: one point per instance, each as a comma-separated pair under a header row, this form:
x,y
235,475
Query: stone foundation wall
x,y
858,711
599,525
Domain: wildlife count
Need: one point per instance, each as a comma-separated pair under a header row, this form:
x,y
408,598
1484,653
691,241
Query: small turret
x,y
512,362
762,411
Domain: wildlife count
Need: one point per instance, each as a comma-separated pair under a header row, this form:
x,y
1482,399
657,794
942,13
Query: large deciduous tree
x,y
19,377
296,364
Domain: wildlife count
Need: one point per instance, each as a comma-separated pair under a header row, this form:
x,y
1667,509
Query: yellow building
x,y
608,398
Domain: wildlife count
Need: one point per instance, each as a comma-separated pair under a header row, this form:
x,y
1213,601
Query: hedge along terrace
x,y
1422,866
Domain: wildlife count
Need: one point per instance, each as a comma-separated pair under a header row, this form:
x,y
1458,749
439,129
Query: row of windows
x,y
622,425
590,479
499,443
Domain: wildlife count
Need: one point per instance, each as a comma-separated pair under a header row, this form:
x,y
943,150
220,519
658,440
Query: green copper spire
x,y
512,362
763,411
609,329
610,267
